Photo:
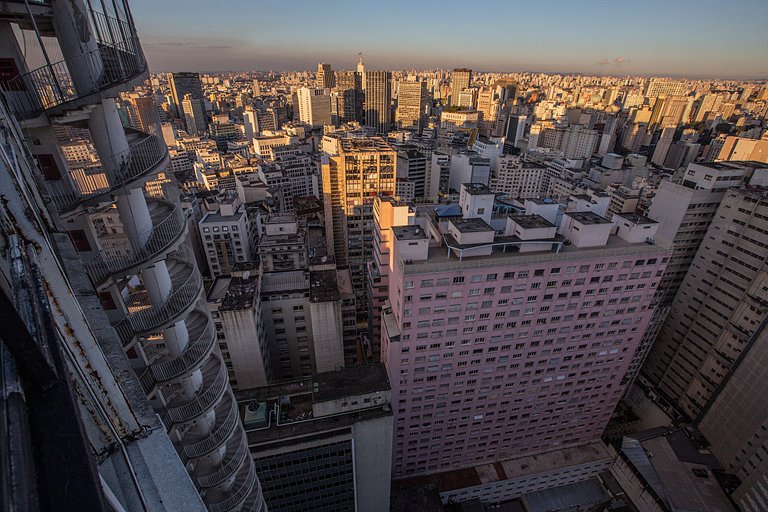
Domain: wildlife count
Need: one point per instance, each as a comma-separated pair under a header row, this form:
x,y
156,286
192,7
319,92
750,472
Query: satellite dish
x,y
246,274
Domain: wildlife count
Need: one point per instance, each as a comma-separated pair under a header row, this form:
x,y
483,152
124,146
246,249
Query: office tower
x,y
182,84
151,291
412,166
663,145
360,170
194,115
734,421
251,123
314,106
666,87
378,99
517,178
681,154
578,142
325,78
349,88
323,443
226,236
142,112
411,105
516,351
256,88
235,304
720,306
515,128
489,104
461,78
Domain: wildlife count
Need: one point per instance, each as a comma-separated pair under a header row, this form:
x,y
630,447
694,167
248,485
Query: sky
x,y
693,38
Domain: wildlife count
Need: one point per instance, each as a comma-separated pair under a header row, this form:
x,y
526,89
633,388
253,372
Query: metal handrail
x,y
257,501
182,297
113,62
238,496
161,239
195,353
119,169
228,468
204,400
223,427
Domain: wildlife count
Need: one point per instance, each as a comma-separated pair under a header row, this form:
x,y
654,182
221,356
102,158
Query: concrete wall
x,y
372,450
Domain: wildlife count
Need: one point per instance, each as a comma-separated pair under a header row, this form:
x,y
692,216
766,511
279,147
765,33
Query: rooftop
x,y
531,221
276,282
322,286
588,218
477,189
234,293
475,225
409,233
364,145
636,218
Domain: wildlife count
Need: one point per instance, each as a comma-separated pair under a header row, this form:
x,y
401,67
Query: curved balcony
x,y
237,454
169,226
255,502
202,336
116,61
196,445
244,484
145,155
144,317
215,384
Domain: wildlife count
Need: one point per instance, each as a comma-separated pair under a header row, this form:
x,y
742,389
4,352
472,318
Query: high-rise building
x,y
194,115
378,99
412,166
361,69
225,233
325,78
150,292
142,111
719,307
349,90
516,351
460,80
360,170
411,105
182,84
515,128
314,106
734,422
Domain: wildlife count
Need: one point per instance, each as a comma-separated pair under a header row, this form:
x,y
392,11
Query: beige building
x,y
460,80
411,105
352,178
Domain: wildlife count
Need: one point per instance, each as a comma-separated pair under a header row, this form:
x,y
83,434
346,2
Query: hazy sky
x,y
725,38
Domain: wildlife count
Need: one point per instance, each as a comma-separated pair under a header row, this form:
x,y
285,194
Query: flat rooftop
x,y
364,145
238,294
587,218
477,189
409,233
323,286
636,218
475,225
531,221
276,282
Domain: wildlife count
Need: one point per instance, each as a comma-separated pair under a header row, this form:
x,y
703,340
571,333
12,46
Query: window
x,y
458,279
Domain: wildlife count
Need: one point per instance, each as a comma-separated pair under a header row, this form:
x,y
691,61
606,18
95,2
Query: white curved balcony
x,y
215,384
145,155
237,454
227,418
224,501
202,336
144,317
116,61
168,229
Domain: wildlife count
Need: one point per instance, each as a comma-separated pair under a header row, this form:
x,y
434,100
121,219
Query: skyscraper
x,y
182,84
411,105
349,90
325,78
194,115
378,99
360,170
133,248
460,80
514,351
314,106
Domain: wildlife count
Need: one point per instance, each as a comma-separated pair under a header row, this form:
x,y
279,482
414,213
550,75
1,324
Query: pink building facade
x,y
504,345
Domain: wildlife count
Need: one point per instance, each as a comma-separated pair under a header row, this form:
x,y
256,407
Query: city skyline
x,y
683,39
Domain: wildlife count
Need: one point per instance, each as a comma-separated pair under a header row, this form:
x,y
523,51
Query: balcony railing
x,y
229,466
161,240
150,318
240,491
117,60
142,158
208,396
221,432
